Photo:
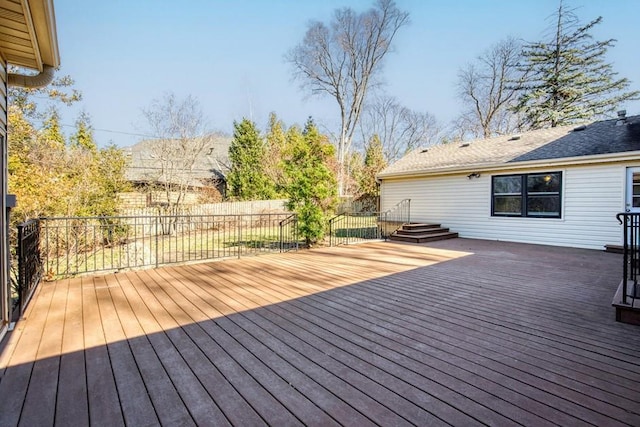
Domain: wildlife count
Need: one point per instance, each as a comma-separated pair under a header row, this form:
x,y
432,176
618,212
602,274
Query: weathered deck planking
x,y
456,332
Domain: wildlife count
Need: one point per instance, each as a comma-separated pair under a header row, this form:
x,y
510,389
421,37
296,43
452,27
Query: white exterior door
x,y
632,200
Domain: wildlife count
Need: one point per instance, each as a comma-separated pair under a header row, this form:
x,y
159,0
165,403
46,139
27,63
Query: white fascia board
x,y
564,161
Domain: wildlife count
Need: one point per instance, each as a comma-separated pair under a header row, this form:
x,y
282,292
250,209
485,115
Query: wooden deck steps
x,y
627,310
421,233
614,249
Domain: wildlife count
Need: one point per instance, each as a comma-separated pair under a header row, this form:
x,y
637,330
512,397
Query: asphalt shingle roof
x,y
602,137
144,165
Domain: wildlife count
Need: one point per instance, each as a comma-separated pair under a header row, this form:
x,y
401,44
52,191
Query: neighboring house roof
x,y
28,37
566,142
211,165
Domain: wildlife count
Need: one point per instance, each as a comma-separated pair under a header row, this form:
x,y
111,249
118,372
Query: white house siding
x,y
591,198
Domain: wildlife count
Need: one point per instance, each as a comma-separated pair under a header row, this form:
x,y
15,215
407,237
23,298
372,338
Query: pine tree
x,y
83,137
51,131
276,145
247,179
312,186
568,79
374,162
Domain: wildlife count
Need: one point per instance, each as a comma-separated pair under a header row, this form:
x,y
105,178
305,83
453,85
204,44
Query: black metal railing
x,y
289,238
78,245
393,219
29,262
348,228
631,255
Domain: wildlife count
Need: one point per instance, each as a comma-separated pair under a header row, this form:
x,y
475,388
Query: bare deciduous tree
x,y
181,140
342,59
488,88
399,128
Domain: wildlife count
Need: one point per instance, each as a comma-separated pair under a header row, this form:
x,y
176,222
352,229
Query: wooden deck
x,y
459,332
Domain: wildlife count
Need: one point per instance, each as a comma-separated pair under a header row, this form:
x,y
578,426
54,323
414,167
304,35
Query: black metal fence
x,y
631,255
29,261
350,228
78,245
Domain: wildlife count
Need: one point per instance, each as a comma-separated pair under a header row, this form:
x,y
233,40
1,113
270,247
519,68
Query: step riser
x,y
422,231
411,239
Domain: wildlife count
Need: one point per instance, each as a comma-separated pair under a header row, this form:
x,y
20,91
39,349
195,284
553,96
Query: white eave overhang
x,y
485,167
28,35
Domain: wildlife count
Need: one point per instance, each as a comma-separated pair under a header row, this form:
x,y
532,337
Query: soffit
x,y
28,35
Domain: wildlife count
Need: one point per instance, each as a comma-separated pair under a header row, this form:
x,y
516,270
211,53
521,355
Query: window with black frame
x,y
535,195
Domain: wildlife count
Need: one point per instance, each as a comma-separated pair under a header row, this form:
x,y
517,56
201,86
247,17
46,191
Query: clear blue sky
x,y
229,54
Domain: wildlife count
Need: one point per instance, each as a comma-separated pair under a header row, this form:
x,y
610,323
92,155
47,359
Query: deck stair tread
x,y
419,226
421,233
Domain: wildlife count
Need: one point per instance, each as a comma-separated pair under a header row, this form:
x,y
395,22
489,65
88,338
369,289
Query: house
x,y
561,186
156,165
28,40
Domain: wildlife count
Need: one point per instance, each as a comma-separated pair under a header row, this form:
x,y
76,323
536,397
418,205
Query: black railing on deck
x,y
289,239
29,261
631,255
393,219
349,228
78,245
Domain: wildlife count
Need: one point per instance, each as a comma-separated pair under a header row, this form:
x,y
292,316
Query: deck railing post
x,y
238,221
156,239
331,232
20,262
625,266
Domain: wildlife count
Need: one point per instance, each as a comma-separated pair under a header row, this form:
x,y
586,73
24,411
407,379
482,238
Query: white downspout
x,y
32,82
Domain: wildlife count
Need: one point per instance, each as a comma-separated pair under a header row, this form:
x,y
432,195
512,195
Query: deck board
x,y
170,410
175,350
72,404
458,332
136,405
16,381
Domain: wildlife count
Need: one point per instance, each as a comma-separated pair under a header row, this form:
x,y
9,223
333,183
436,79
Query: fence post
x,y
239,236
331,232
20,265
157,241
46,239
386,215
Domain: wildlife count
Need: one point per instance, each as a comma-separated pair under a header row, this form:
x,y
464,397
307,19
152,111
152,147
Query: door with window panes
x,y
632,203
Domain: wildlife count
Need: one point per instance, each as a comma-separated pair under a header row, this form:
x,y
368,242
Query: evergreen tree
x,y
247,179
276,143
568,79
83,137
374,162
110,167
51,131
312,185
96,176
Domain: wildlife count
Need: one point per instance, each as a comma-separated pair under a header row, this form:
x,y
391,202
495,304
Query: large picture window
x,y
531,195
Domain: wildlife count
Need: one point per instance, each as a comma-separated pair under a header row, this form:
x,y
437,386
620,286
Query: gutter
x,y
37,81
568,161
